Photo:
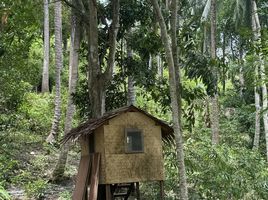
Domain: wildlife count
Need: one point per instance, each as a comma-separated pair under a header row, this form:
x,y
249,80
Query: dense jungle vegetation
x,y
198,64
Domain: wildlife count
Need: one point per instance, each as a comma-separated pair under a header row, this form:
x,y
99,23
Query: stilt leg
x,y
138,190
161,183
108,192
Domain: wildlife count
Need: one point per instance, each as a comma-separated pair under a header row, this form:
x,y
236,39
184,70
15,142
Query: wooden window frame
x,y
142,140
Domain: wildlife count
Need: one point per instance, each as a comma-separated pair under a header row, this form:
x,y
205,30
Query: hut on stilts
x,y
118,151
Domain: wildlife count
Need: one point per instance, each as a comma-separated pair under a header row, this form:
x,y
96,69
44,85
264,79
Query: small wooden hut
x,y
120,149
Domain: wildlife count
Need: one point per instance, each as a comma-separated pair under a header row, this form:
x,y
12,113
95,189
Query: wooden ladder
x,y
88,178
122,191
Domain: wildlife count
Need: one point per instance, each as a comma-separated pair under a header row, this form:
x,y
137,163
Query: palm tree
x,y
73,76
256,29
131,96
45,75
58,62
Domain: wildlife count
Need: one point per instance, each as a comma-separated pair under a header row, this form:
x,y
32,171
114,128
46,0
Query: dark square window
x,y
134,140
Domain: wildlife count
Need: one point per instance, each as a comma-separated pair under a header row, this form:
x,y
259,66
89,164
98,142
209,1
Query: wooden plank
x,y
162,193
84,142
81,179
108,192
94,177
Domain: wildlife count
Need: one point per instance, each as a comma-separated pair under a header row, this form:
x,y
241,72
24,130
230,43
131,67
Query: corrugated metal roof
x,y
89,126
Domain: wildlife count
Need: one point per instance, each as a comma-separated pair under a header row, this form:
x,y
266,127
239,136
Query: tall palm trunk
x,y
241,71
257,112
131,97
264,104
256,91
214,110
159,66
45,75
256,28
174,101
224,70
73,76
58,62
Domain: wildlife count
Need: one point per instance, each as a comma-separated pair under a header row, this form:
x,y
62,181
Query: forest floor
x,y
31,173
52,192
30,163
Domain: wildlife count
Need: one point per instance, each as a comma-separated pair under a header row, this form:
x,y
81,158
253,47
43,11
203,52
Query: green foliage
x,y
11,94
192,95
4,194
132,12
224,172
37,110
150,190
7,167
221,172
36,188
16,43
65,195
145,41
231,170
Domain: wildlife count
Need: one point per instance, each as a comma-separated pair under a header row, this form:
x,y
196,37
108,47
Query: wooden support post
x,y
162,193
138,191
82,178
94,177
108,192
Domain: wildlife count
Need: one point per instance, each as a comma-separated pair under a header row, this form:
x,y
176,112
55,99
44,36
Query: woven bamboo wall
x,y
119,167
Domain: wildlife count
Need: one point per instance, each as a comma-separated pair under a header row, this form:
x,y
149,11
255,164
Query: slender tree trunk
x,y
257,112
256,91
159,66
45,75
58,62
241,72
264,104
224,67
207,121
131,91
204,49
73,76
174,101
214,111
150,62
256,28
131,98
174,46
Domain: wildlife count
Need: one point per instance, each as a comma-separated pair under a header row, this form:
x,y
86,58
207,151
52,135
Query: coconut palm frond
x,y
206,11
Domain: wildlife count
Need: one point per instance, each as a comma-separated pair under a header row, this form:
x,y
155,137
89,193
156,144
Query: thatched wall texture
x,y
117,166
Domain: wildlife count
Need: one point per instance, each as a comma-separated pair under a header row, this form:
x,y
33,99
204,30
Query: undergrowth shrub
x,y
65,195
217,172
4,194
36,188
7,167
37,111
